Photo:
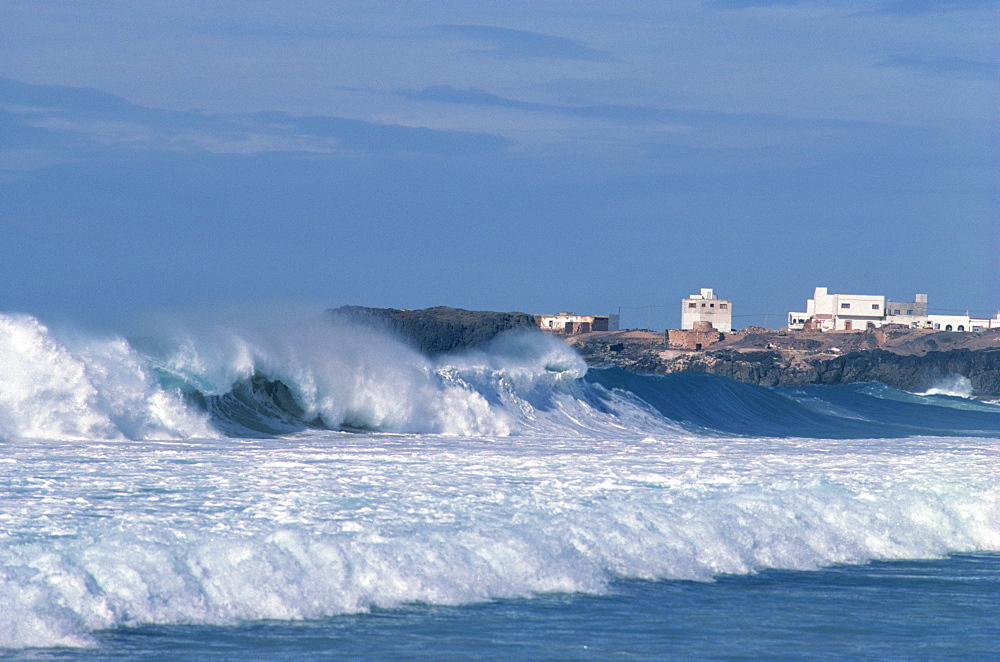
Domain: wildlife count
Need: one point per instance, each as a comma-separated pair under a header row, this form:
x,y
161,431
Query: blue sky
x,y
533,156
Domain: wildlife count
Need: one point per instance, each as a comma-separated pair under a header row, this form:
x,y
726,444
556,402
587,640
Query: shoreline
x,y
912,360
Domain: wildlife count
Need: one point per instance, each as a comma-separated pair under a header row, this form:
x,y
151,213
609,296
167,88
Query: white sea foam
x,y
957,386
105,535
351,377
343,376
513,477
94,389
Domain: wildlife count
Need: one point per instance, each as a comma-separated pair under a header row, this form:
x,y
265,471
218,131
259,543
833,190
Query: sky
x,y
536,156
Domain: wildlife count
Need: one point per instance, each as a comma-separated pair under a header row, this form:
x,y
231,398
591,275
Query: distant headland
x,y
911,359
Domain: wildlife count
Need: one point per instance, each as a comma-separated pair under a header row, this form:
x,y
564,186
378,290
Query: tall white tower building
x,y
706,307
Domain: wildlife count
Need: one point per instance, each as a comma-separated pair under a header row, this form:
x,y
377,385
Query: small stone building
x,y
701,335
571,323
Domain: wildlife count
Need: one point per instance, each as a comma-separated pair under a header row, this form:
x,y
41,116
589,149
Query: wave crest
x,y
94,389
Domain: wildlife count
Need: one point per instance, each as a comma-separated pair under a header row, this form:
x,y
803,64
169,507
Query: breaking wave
x,y
249,493
257,379
83,389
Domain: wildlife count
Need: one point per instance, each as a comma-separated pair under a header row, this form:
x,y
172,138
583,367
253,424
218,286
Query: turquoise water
x,y
329,494
933,609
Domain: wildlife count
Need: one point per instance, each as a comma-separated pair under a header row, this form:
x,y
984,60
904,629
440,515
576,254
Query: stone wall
x,y
701,336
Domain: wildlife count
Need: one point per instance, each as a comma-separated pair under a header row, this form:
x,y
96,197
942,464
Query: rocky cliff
x,y
909,360
439,329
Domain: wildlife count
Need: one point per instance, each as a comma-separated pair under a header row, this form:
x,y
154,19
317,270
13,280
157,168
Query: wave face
x,y
269,379
300,470
710,403
83,389
106,535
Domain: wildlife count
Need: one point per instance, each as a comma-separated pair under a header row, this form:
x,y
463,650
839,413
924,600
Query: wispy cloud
x,y
947,66
899,7
747,4
476,97
509,43
44,117
912,7
620,114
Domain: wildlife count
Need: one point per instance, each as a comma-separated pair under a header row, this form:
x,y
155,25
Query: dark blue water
x,y
948,608
137,524
711,403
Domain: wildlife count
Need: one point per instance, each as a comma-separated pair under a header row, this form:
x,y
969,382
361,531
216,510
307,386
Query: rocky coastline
x,y
436,330
909,359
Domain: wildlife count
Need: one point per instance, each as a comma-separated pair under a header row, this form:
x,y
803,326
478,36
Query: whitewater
x,y
286,486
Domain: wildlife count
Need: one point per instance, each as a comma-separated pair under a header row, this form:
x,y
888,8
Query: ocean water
x,y
249,489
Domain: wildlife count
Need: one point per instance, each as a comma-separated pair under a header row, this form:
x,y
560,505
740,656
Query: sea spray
x,y
88,388
105,535
957,386
283,376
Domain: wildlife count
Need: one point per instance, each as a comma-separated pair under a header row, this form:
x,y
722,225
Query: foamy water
x,y
102,535
130,495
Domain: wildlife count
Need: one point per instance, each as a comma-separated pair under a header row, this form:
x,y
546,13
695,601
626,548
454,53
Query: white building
x,y
857,312
840,312
961,323
573,323
912,314
706,307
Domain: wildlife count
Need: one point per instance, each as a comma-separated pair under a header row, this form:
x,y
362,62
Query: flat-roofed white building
x,y
707,307
961,323
570,323
857,312
840,312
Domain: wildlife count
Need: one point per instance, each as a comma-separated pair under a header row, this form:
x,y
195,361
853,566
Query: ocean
x,y
268,490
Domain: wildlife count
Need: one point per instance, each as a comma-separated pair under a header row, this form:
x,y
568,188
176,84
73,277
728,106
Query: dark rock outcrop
x,y
915,362
439,329
906,372
915,373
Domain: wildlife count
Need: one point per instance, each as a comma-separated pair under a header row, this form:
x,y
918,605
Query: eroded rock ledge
x,y
912,360
909,360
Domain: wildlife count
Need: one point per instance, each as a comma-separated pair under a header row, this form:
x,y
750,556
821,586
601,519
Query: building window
x,y
845,305
711,305
702,305
960,328
723,305
895,312
947,327
874,306
909,312
692,305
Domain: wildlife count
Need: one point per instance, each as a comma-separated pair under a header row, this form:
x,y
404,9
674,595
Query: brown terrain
x,y
910,359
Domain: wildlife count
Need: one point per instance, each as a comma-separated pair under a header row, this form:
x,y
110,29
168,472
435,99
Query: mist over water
x,y
256,376
220,473
83,389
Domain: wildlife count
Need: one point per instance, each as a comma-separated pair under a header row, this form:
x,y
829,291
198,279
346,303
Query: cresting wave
x,y
243,496
83,389
272,379
204,532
